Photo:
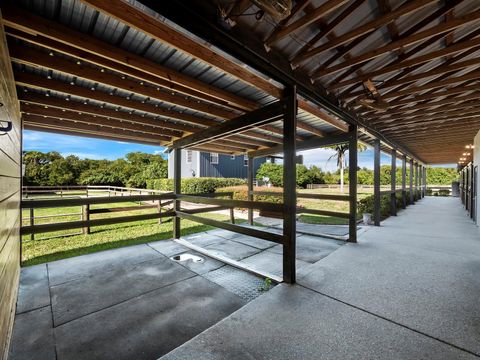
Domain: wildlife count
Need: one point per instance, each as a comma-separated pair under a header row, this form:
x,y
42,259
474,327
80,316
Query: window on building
x,y
232,157
245,160
189,156
213,158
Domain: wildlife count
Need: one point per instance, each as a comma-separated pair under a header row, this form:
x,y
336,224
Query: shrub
x,y
274,172
241,193
365,205
194,185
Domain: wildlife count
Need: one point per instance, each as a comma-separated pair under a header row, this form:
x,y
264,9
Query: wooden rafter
x,y
134,17
366,28
305,20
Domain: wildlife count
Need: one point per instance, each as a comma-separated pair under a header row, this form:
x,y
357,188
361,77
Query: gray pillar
x,y
404,181
289,185
250,187
411,182
177,189
376,182
352,184
393,187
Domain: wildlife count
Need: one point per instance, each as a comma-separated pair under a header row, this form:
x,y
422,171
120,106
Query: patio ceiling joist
x,y
267,114
201,18
436,30
63,39
141,21
66,124
73,132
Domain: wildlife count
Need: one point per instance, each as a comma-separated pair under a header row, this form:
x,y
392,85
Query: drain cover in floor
x,y
239,282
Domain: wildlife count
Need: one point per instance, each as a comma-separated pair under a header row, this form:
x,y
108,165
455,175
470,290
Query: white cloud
x,y
90,156
320,158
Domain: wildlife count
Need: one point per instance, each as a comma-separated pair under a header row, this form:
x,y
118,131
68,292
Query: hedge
x,y
366,204
241,193
194,185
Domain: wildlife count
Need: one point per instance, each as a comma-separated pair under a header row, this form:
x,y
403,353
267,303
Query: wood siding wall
x,y
226,167
10,193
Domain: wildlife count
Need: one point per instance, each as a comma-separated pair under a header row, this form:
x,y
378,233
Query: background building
x,y
207,164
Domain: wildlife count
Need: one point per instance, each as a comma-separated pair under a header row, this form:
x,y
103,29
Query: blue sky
x,y
107,149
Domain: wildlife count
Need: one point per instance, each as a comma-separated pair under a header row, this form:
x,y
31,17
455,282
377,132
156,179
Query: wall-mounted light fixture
x,y
9,123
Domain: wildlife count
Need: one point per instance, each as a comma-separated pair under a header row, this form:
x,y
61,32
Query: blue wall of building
x,y
227,166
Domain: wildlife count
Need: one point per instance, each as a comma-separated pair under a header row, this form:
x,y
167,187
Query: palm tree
x,y
340,151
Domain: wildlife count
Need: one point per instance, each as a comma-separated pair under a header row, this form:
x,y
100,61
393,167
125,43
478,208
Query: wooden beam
x,y
39,82
73,132
48,121
267,114
457,47
432,85
134,17
307,19
328,28
64,39
439,29
62,105
93,120
25,55
366,28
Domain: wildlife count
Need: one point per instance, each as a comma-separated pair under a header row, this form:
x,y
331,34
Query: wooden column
x,y
289,185
250,187
424,181
472,191
393,187
411,182
416,180
352,184
376,183
404,181
177,188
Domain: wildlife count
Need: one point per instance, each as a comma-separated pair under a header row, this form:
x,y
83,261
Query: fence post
x,y
232,212
86,217
32,218
393,188
376,182
159,207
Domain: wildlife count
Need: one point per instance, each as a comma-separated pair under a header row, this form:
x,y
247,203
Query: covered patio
x,y
252,79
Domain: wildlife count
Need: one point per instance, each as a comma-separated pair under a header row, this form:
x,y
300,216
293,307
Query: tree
x,y
340,151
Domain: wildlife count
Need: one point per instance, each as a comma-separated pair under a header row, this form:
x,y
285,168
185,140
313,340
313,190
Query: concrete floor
x,y
137,303
409,289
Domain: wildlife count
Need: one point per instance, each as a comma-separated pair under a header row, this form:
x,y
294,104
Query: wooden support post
x,y
376,182
472,191
404,181
250,187
416,181
424,181
289,185
232,212
411,182
86,217
352,184
177,189
32,222
159,208
393,188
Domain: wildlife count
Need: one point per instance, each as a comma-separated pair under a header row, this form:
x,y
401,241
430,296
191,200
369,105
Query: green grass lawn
x,y
101,237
